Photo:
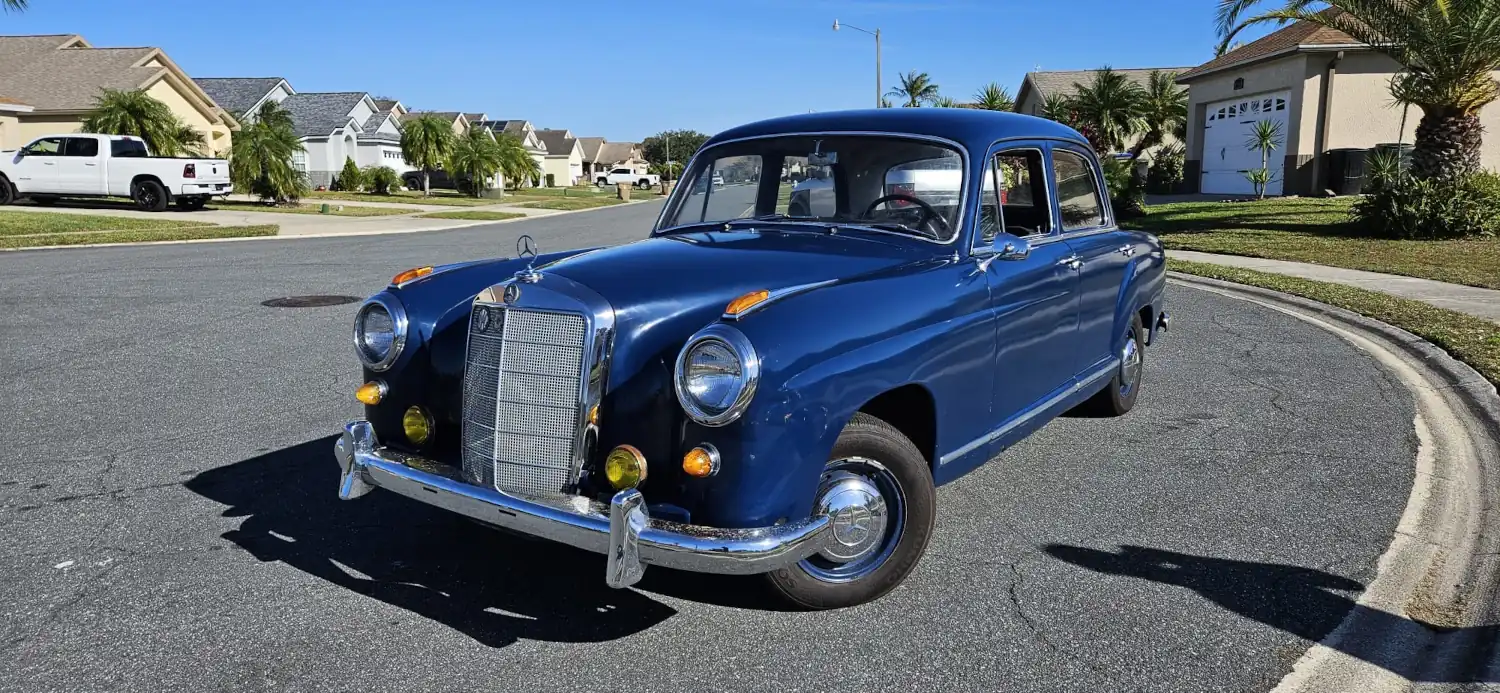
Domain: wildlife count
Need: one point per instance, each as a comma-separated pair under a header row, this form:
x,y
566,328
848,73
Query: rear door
x,y
1104,250
79,166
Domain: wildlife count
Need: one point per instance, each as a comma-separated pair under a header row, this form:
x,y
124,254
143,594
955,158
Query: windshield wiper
x,y
892,226
782,217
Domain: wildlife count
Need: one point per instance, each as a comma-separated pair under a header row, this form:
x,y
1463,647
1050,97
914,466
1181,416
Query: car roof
x,y
974,128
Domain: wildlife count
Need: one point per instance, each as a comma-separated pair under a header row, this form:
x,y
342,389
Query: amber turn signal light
x,y
413,273
625,467
746,302
701,462
371,393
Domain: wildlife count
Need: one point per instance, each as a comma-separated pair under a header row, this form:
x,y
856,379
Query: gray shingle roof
x,y
1061,82
591,147
319,114
385,104
557,142
615,152
473,117
374,122
237,94
36,71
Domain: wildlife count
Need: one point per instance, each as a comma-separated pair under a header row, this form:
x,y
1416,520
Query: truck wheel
x,y
149,195
1119,397
602,182
877,488
7,193
643,184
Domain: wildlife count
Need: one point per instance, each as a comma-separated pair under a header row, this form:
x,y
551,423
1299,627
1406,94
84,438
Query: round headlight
x,y
379,332
716,375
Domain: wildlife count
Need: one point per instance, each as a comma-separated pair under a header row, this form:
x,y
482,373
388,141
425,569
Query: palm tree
x,y
1265,137
1448,47
946,102
516,163
477,157
1163,109
13,5
916,88
994,97
1111,105
427,142
133,112
1058,107
260,159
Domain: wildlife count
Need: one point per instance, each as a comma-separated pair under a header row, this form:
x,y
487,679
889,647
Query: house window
x,y
1239,83
1281,104
299,160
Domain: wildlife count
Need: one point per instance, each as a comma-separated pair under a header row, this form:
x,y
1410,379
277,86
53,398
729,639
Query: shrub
x,y
1127,190
1382,166
1418,208
1166,170
349,179
380,179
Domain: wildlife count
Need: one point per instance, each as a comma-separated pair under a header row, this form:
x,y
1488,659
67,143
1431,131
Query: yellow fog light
x,y
417,424
625,467
371,393
702,461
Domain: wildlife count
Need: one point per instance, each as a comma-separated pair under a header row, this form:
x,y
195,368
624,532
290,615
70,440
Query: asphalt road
x,y
168,518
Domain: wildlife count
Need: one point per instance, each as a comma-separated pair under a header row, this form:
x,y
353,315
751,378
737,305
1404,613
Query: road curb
x,y
350,234
1430,615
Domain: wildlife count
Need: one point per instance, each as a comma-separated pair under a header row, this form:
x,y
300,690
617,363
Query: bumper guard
x,y
621,529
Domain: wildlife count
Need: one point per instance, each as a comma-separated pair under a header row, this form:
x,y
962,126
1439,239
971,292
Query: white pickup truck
x,y
85,165
625,175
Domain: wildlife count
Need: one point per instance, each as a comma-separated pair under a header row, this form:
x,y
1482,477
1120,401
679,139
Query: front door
x,y
1104,251
36,166
1035,299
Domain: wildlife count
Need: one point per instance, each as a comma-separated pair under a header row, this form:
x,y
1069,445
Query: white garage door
x,y
1226,159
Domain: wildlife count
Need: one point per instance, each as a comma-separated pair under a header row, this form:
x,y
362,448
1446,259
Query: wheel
x,y
149,195
7,193
643,184
44,201
191,204
878,490
601,182
1119,397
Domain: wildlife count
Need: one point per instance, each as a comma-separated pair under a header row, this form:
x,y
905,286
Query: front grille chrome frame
x,y
553,294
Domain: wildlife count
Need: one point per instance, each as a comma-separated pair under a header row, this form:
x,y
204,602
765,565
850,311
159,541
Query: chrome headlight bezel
x,y
749,361
399,326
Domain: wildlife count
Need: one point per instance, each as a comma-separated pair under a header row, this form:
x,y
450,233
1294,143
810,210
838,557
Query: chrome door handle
x,y
1071,262
1128,251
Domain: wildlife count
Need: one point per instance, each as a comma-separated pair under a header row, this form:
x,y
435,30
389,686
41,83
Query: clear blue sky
x,y
624,70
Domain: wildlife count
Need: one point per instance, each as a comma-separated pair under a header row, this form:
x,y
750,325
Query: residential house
x,y
391,106
613,155
590,146
564,162
521,130
1037,86
61,76
332,126
1326,90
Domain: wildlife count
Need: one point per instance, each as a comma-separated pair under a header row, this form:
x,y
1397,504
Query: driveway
x,y
168,518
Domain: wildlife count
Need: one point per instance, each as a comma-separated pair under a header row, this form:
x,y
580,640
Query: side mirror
x,y
1011,247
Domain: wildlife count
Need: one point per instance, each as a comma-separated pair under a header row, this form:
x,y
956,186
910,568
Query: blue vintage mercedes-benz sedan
x,y
872,304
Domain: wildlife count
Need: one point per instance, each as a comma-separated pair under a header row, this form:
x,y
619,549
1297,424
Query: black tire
x,y
1118,398
7,193
643,184
908,525
191,204
44,201
149,196
602,182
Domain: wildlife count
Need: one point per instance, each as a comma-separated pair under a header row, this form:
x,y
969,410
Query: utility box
x,y
623,191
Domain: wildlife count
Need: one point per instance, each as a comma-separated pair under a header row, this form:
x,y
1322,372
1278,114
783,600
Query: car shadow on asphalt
x,y
1307,603
493,587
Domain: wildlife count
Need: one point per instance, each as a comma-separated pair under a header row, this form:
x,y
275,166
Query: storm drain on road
x,y
318,301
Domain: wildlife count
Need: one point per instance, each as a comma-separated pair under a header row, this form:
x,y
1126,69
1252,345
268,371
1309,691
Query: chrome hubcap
x,y
867,513
1130,364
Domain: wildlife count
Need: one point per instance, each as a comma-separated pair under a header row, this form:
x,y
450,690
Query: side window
x,y
122,149
621,170
1077,191
51,146
1015,196
805,190
81,146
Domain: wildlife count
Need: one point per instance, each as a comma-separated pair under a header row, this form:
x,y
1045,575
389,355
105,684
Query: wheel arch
x,y
912,410
148,177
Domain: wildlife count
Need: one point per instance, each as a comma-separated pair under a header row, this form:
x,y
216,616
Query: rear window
x,y
127,148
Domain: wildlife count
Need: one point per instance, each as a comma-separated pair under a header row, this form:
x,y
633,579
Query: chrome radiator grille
x,y
521,399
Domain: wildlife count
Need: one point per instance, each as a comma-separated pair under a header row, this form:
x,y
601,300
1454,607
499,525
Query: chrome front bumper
x,y
621,529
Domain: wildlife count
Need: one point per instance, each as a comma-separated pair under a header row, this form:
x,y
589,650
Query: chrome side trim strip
x,y
779,294
1104,369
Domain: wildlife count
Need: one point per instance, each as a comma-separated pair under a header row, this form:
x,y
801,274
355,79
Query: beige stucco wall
x,y
216,132
31,126
7,127
1364,114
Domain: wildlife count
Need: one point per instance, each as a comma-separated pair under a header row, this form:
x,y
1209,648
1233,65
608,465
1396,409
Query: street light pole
x,y
879,91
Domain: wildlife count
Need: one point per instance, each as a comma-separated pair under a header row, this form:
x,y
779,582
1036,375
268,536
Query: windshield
x,y
886,182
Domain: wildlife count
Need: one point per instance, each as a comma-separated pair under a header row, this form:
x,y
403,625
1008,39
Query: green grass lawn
x,y
571,203
305,208
134,235
472,215
1474,341
448,198
1316,230
32,223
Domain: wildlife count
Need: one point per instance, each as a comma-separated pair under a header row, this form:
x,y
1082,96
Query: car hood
x,y
665,288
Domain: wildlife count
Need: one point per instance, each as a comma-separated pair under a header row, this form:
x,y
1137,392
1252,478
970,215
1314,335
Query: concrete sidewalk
x,y
1483,303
